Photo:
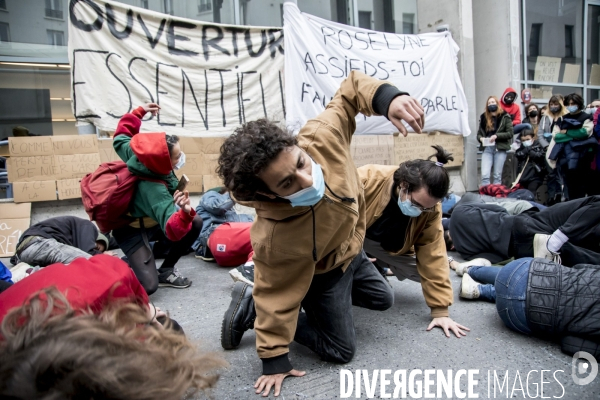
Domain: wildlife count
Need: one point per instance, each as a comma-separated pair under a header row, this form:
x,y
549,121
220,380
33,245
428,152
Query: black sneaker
x,y
239,317
175,280
204,255
243,273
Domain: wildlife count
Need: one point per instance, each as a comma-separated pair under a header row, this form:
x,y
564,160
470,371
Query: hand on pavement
x,y
266,382
447,324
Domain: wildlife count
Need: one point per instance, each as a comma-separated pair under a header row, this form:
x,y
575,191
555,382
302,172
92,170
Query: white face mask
x,y
181,161
528,143
311,195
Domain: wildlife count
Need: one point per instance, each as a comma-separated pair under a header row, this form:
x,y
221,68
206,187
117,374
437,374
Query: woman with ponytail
x,y
404,228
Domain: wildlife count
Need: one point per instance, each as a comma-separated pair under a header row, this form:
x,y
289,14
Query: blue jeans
x,y
492,157
520,127
486,276
511,294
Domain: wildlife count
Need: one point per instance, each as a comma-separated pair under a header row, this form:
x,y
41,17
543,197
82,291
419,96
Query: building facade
x,y
548,46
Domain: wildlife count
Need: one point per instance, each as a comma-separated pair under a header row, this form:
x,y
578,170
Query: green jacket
x,y
504,133
147,156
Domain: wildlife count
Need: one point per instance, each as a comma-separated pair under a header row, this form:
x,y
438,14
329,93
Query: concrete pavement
x,y
395,339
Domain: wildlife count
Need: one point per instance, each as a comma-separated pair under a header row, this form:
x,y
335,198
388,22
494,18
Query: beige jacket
x,y
282,235
424,232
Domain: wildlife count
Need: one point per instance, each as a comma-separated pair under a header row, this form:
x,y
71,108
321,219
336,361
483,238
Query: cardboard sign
x,y
26,192
14,220
212,181
75,165
571,74
32,168
81,144
69,189
30,146
195,185
416,146
595,75
547,69
107,151
372,149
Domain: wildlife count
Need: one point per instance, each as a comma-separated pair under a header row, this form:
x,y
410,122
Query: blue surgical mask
x,y
591,110
407,207
311,195
181,161
527,143
572,109
547,135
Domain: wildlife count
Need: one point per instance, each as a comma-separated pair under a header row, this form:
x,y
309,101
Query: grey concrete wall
x,y
497,48
458,14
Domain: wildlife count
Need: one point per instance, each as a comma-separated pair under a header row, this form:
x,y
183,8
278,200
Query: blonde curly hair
x,y
51,351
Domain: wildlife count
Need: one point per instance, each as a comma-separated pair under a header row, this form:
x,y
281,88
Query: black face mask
x,y
509,100
533,113
555,109
492,108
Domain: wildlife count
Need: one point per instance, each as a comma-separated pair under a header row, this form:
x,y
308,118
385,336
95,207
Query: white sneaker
x,y
540,248
469,288
478,262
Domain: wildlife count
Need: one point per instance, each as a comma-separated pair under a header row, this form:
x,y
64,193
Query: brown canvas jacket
x,y
424,232
282,235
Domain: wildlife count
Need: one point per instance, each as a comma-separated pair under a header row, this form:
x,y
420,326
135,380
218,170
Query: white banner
x,y
321,53
208,78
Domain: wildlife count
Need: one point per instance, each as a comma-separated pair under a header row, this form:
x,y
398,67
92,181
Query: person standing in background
x,y
494,125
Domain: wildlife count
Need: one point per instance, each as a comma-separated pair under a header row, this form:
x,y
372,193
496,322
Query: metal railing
x,y
58,14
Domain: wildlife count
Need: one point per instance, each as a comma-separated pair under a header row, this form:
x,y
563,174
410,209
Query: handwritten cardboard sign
x,y
547,69
26,192
69,189
30,146
372,149
75,165
14,220
416,146
80,144
31,168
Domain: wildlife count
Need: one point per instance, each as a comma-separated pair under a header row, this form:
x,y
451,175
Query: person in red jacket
x,y
160,211
87,330
508,104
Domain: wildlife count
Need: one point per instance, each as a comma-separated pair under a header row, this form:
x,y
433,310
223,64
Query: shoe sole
x,y
205,259
174,286
238,277
236,299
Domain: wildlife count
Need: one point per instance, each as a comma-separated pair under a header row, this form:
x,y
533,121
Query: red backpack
x,y
107,192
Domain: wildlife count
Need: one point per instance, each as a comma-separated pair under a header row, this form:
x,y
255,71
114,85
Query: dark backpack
x,y
107,192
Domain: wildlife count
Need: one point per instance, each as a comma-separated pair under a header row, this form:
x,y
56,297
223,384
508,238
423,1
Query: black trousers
x,y
141,259
327,325
578,219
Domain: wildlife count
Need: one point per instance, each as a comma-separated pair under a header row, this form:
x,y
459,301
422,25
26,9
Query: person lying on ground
x,y
160,211
542,298
568,230
215,208
404,228
60,240
87,330
309,229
